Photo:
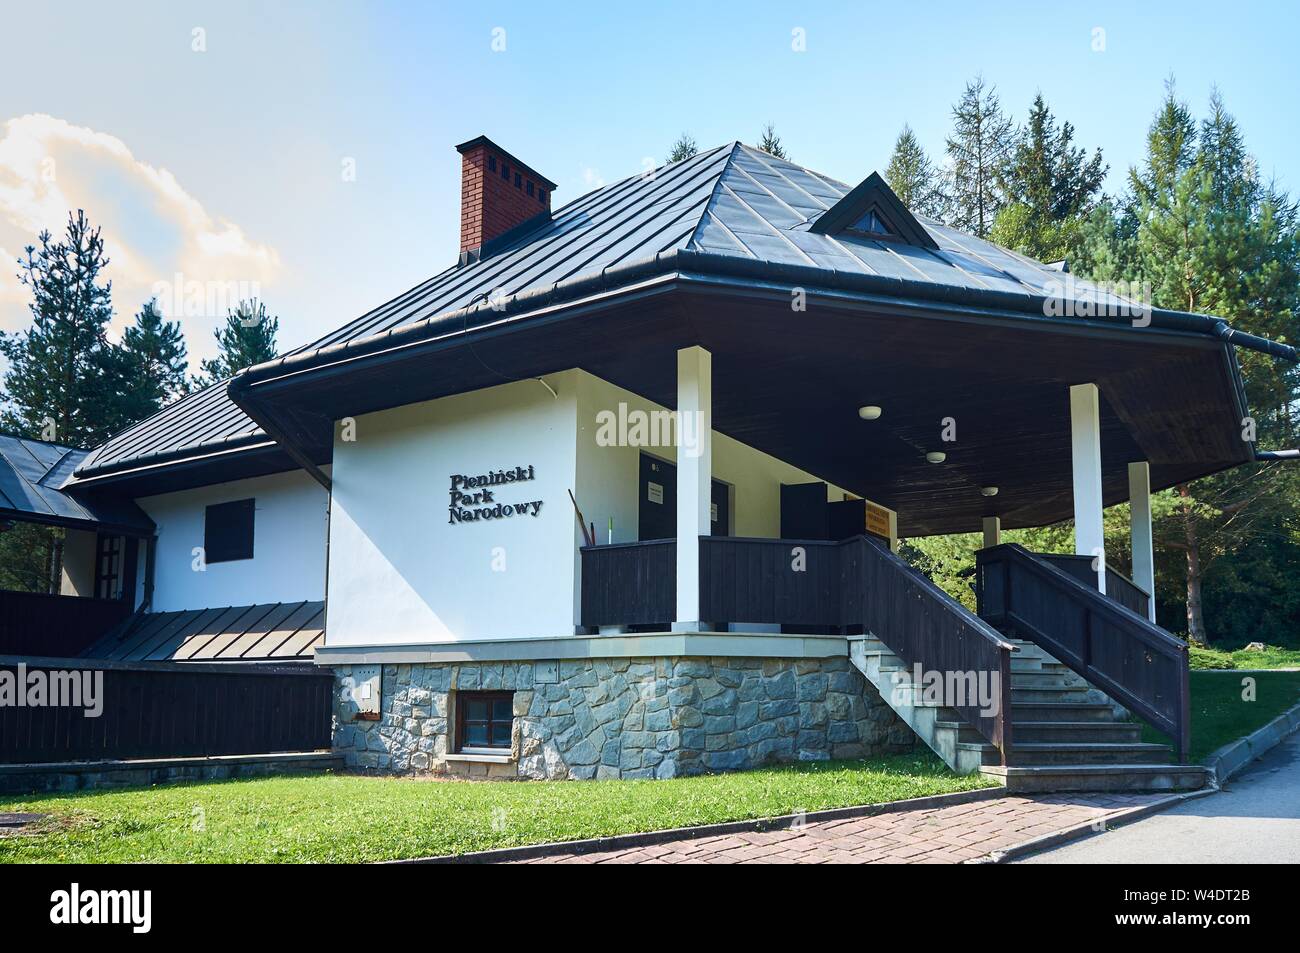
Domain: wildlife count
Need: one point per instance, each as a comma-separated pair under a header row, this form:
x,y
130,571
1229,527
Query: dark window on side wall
x,y
228,531
492,163
483,720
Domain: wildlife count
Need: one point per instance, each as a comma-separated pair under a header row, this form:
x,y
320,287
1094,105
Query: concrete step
x,y
1072,693
1034,711
1022,779
1085,752
1039,732
1047,679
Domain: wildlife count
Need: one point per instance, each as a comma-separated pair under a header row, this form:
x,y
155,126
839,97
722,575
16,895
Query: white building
x,y
469,502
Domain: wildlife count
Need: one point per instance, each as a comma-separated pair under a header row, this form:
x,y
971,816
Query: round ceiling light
x,y
988,491
935,456
870,412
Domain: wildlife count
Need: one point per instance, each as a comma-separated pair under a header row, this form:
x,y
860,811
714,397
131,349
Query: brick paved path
x,y
945,835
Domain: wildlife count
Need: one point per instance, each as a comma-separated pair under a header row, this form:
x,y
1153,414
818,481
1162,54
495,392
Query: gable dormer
x,y
872,210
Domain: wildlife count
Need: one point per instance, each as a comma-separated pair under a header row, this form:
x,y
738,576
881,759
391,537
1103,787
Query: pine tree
x,y
683,148
770,143
977,151
59,383
1049,185
913,177
247,338
1211,238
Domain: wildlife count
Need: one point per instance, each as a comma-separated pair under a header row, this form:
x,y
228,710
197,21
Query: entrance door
x,y
657,509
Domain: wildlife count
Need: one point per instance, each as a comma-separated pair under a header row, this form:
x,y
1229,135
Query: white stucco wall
x,y
608,475
78,563
289,534
401,572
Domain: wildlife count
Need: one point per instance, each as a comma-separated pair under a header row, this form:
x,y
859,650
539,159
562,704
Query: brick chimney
x,y
497,194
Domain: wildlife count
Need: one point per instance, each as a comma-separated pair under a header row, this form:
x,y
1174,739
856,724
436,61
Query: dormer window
x,y
872,224
872,210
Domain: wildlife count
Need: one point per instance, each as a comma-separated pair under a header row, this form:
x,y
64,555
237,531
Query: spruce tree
x,y
914,178
1049,185
770,143
683,148
154,361
978,149
247,338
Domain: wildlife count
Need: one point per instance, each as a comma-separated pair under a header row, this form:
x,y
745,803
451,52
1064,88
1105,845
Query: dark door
x,y
657,509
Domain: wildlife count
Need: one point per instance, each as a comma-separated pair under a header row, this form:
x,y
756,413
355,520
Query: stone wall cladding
x,y
628,717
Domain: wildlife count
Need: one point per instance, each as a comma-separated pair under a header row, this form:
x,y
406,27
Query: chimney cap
x,y
523,166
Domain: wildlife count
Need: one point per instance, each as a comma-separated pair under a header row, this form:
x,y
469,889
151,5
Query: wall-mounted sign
x,y
877,520
654,492
473,498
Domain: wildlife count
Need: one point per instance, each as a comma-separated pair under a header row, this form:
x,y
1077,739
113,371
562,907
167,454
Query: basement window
x,y
483,722
228,531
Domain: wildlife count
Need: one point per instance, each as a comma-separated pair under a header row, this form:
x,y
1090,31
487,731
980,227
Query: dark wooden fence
x,y
630,583
32,623
792,582
167,710
1139,664
853,585
1118,586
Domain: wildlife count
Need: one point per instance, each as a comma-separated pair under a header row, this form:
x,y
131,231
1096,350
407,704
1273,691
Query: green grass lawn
x,y
1273,656
342,818
1219,713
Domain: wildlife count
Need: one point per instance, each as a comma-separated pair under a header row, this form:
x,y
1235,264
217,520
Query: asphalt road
x,y
1254,820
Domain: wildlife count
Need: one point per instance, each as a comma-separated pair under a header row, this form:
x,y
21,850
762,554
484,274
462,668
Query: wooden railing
x,y
165,710
854,585
926,627
32,623
1118,586
629,583
1137,663
790,582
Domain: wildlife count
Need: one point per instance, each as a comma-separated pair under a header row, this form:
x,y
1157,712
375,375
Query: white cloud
x,y
153,229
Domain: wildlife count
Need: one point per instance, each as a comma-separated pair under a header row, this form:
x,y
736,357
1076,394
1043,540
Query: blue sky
x,y
225,164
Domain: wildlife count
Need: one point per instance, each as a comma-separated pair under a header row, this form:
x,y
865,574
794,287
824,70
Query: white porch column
x,y
1085,448
694,477
1144,554
992,531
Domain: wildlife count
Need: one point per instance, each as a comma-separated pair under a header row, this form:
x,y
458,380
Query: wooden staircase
x,y
1066,735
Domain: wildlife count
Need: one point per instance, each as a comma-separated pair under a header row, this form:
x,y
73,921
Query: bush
x,y
1200,658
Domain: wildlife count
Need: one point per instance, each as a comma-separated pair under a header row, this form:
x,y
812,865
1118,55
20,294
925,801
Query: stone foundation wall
x,y
626,718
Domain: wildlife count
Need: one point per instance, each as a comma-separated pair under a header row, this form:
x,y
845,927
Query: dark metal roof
x,y
32,475
278,631
730,209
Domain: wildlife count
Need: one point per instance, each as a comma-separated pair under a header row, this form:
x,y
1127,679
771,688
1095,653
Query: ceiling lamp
x,y
870,412
936,456
988,491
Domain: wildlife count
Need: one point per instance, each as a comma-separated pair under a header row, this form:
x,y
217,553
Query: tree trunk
x,y
1195,615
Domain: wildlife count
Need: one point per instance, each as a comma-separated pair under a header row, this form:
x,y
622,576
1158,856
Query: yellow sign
x,y
877,521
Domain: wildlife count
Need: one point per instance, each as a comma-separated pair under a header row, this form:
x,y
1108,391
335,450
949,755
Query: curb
x,y
1234,756
624,841
1088,828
